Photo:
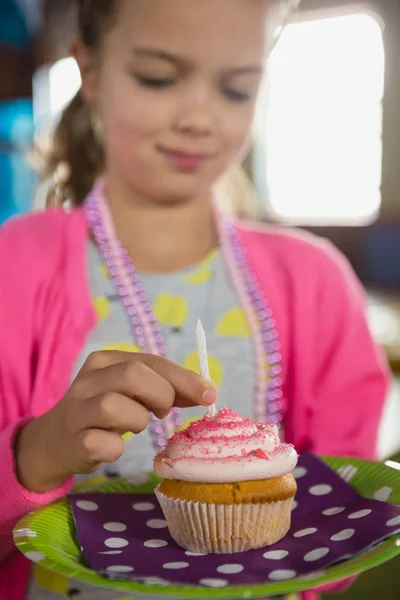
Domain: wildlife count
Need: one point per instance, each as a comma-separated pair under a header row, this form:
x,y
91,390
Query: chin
x,y
172,194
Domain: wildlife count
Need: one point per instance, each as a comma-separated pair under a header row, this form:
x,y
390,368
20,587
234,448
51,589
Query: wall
x,y
356,242
17,63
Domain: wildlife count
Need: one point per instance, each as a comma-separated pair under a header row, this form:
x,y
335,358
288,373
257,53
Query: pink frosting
x,y
225,449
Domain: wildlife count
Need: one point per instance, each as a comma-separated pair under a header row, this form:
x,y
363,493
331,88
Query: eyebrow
x,y
158,54
252,70
176,59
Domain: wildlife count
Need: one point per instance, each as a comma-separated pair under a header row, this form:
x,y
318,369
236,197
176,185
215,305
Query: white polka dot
x,y
393,522
155,544
230,569
276,554
111,552
87,505
143,506
383,494
316,554
282,575
304,532
116,543
294,505
119,569
336,510
35,556
138,479
299,472
156,523
321,489
188,553
214,583
115,527
345,534
175,565
360,514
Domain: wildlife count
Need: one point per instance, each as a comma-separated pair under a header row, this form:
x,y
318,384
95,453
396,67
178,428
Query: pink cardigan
x,y
335,379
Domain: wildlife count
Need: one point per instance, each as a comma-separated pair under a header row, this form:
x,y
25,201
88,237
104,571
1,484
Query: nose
x,y
195,115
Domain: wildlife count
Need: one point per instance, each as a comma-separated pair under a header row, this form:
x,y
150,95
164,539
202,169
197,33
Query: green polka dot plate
x,y
345,521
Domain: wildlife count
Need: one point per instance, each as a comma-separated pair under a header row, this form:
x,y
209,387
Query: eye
x,y
153,82
236,96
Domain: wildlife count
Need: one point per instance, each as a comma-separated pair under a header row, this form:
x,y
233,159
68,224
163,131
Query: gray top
x,y
179,299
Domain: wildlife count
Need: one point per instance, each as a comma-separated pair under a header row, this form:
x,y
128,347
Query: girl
x,y
94,300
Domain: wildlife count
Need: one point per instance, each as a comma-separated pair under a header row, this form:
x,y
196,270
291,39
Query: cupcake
x,y
227,485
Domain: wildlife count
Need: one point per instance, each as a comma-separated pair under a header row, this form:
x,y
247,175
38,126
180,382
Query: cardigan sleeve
x,y
351,377
18,273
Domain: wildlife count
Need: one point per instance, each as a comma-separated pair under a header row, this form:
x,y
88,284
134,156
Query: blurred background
x,y
325,154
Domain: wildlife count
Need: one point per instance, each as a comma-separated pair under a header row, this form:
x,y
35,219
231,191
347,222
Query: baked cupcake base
x,y
227,518
242,492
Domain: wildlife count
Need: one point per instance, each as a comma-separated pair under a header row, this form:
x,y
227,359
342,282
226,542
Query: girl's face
x,y
176,88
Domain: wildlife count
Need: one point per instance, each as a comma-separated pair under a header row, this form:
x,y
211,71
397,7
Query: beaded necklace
x,y
147,331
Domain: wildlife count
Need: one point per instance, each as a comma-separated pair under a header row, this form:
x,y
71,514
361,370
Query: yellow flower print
x,y
105,272
234,324
187,422
51,582
102,308
199,277
171,310
211,256
203,273
216,369
122,347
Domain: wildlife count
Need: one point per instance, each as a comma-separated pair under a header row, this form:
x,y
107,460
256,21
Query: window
x,y
53,88
318,130
17,182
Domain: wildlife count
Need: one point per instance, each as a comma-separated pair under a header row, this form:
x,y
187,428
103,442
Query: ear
x,y
88,66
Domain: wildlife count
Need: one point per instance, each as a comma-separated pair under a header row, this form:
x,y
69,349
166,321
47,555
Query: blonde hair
x,y
73,158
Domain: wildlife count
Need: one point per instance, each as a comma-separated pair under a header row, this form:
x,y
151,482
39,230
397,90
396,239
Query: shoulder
x,y
38,235
39,247
296,251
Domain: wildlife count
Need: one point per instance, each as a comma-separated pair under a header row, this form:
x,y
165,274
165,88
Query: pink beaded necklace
x,y
146,330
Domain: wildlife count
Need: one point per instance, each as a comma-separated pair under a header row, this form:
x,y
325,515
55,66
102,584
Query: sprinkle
x,y
283,448
261,454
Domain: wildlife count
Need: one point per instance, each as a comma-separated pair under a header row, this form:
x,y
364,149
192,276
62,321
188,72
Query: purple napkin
x,y
125,536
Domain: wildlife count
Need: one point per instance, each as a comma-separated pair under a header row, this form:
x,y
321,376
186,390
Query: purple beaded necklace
x,y
147,331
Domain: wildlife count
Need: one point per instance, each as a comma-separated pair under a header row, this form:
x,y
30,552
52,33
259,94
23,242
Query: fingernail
x,y
209,396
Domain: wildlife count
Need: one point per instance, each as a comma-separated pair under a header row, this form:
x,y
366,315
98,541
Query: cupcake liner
x,y
225,528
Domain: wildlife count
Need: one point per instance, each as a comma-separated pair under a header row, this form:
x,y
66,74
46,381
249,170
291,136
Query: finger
x,y
209,398
134,380
96,446
190,388
112,411
156,381
102,359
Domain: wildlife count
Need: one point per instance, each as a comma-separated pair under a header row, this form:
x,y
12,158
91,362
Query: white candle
x,y
201,344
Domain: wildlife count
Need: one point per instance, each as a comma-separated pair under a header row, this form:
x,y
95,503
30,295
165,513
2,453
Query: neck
x,y
162,238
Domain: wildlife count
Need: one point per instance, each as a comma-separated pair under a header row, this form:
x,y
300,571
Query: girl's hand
x,y
113,393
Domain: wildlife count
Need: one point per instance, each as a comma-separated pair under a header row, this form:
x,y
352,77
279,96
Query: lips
x,y
184,160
